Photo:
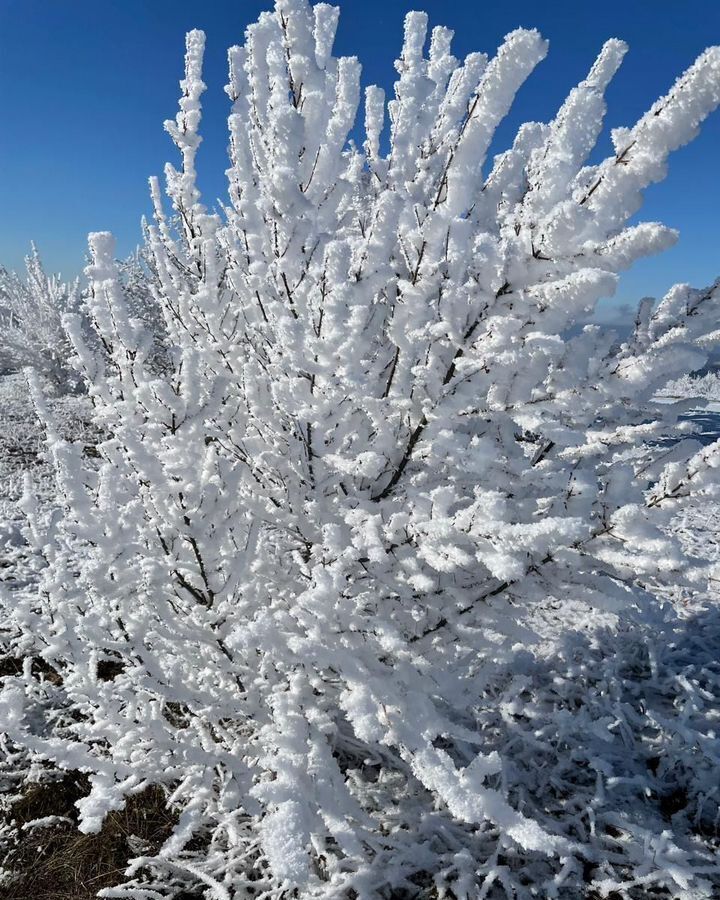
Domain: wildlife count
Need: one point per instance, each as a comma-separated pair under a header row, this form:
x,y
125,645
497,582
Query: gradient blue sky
x,y
86,85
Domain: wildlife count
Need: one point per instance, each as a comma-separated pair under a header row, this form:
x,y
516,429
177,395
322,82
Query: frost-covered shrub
x,y
702,387
22,436
31,331
703,384
140,287
32,309
336,553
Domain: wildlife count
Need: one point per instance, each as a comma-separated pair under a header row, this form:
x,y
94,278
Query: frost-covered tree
x,y
309,585
705,387
705,383
31,331
32,309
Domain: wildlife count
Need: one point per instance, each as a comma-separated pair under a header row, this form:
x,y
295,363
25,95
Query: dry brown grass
x,y
13,665
57,862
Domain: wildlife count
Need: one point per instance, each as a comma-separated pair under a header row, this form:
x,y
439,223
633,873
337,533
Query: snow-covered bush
x,y
32,309
140,288
334,554
31,330
702,387
703,384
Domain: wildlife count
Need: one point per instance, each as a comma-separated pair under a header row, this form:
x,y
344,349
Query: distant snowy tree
x,y
32,309
705,383
31,330
314,555
705,387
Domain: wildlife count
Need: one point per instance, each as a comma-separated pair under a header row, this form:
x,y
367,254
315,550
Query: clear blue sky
x,y
86,85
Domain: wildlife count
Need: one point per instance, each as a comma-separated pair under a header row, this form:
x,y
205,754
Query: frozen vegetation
x,y
705,387
31,311
388,580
